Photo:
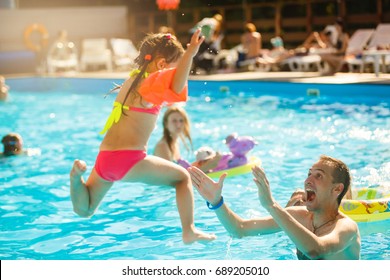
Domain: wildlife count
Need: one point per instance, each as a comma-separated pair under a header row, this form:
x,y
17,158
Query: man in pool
x,y
318,229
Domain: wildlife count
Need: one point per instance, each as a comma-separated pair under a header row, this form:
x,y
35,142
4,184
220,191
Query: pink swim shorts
x,y
114,165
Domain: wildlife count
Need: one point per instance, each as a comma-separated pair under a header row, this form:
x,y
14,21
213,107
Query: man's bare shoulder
x,y
347,224
348,234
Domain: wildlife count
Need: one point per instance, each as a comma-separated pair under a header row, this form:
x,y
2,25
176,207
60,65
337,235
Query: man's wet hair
x,y
340,174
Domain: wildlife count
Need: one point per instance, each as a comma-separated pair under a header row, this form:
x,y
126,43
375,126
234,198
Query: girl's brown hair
x,y
154,46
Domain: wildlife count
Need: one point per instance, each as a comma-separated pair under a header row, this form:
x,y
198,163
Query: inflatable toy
x,y
238,170
233,163
368,204
239,146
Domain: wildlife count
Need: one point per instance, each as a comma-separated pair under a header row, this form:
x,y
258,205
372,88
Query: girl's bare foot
x,y
78,169
78,190
197,235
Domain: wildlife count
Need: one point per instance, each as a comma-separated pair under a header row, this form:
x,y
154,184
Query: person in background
x,y
206,159
331,39
319,40
277,54
176,125
335,58
318,229
13,146
3,89
298,197
251,43
211,29
161,77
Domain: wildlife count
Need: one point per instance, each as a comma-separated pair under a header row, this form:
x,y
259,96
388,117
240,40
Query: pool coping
x,y
296,77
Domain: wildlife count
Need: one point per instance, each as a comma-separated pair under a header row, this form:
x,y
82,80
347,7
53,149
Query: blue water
x,y
63,116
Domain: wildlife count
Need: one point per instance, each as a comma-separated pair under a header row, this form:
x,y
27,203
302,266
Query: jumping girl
x,y
122,155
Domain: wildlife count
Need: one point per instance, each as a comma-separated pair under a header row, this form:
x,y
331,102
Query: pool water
x,y
63,116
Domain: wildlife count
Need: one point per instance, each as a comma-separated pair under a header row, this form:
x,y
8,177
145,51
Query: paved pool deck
x,y
297,77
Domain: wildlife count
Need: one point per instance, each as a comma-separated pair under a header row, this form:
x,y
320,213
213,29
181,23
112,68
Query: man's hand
x,y
208,189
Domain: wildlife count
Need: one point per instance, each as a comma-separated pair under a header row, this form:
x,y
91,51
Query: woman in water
x,y
176,125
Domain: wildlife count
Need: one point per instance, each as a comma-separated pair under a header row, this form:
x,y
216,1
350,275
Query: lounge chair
x,y
304,63
254,65
315,52
95,52
356,45
251,64
124,53
308,61
378,48
381,36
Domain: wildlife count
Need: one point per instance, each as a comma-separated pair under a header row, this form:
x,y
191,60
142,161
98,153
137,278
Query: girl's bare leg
x,y
157,171
86,197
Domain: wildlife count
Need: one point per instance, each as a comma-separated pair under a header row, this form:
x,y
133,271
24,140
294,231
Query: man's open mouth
x,y
310,195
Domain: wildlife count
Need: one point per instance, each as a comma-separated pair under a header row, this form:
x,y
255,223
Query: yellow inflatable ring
x,y
36,27
239,170
368,204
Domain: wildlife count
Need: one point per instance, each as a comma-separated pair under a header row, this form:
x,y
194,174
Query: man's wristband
x,y
215,207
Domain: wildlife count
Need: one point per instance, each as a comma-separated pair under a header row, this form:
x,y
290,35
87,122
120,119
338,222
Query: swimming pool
x,y
63,117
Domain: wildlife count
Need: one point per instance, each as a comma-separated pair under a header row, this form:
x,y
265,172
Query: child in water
x,y
122,155
13,146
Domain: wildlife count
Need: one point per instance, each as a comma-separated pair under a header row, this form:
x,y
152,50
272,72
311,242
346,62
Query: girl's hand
x,y
208,189
262,183
194,44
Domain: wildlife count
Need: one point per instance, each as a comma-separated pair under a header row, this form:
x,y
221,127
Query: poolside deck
x,y
301,77
298,77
